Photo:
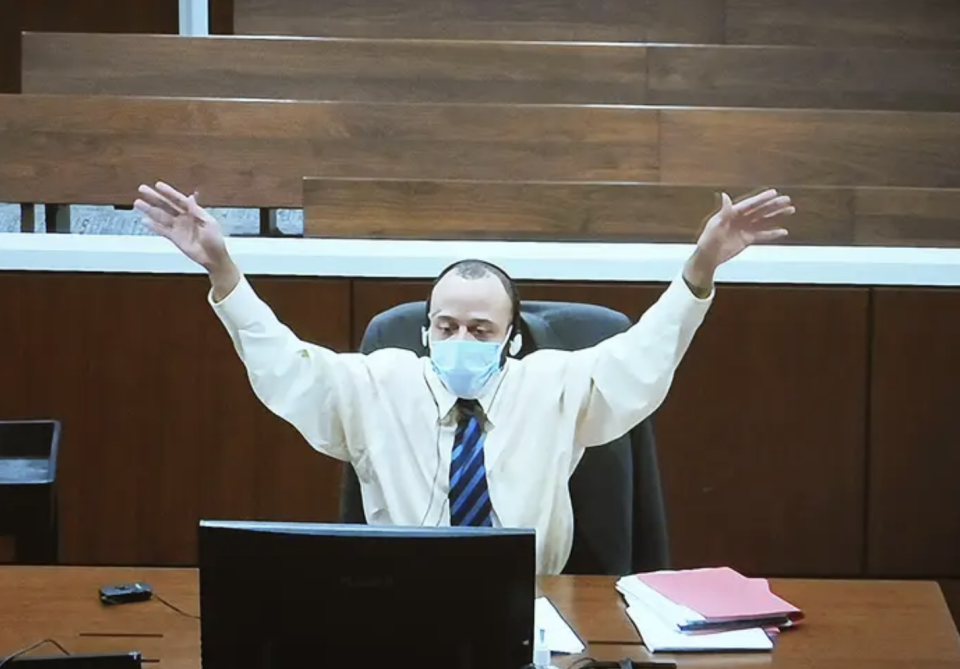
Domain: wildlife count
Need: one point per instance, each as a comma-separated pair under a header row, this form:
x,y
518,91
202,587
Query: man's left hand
x,y
732,229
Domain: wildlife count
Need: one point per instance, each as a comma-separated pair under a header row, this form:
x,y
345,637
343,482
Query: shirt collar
x,y
446,401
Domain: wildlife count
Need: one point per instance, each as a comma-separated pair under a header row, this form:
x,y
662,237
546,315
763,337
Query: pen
x,y
713,626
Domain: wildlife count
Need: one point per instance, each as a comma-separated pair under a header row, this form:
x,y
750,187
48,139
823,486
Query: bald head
x,y
471,300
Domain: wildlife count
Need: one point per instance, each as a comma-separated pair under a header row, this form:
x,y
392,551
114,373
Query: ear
x,y
516,343
424,339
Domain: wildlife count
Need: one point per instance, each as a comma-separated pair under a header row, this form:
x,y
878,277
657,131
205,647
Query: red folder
x,y
724,597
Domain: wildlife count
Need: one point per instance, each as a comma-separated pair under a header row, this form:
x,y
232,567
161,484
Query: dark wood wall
x,y
110,16
809,431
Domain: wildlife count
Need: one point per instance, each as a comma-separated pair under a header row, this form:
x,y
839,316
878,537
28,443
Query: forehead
x,y
480,298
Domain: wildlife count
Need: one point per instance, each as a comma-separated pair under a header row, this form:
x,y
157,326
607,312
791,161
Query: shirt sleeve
x,y
307,385
625,378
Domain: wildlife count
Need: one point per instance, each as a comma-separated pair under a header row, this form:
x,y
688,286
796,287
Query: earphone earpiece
x,y
423,337
515,345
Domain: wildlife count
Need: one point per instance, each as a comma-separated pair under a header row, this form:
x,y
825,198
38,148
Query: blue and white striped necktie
x,y
469,497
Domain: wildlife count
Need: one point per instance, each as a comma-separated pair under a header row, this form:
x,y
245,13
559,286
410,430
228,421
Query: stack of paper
x,y
560,636
705,609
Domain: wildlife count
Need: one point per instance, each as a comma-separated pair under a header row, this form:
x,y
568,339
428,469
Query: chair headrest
x,y
545,324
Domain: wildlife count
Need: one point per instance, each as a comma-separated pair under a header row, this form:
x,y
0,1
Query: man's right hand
x,y
179,218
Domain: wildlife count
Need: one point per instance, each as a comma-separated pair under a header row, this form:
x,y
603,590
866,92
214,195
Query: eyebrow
x,y
472,320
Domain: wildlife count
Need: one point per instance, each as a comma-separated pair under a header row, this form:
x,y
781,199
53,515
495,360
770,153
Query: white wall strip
x,y
619,262
194,18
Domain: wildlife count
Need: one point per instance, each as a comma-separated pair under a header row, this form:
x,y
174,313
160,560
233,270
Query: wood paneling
x,y
628,212
111,16
890,23
8,549
611,20
532,20
893,23
914,522
11,22
816,78
256,153
548,211
114,16
685,21
907,217
160,426
397,70
334,69
220,17
762,439
810,147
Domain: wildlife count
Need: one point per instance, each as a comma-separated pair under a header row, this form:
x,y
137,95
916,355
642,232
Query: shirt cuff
x,y
242,307
680,289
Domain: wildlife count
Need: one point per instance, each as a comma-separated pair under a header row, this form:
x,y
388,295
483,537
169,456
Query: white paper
x,y
560,637
660,636
636,591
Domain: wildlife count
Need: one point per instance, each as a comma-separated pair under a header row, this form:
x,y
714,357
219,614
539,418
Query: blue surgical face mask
x,y
466,366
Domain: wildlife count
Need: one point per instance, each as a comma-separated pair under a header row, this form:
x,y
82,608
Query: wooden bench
x,y
242,153
810,147
374,70
888,23
613,212
398,70
529,20
800,76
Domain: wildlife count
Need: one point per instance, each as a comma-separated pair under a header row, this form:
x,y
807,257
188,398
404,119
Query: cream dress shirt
x,y
388,414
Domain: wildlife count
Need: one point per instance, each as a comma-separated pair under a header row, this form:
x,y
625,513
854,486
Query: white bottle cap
x,y
541,651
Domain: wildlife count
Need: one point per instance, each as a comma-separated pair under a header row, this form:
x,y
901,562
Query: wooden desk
x,y
857,624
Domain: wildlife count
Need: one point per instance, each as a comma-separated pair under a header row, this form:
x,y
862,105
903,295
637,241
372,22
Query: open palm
x,y
739,225
179,218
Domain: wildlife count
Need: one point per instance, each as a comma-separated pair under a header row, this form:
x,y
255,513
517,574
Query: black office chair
x,y
620,521
28,489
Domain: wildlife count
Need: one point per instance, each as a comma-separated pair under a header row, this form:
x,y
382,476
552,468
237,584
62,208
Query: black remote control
x,y
125,593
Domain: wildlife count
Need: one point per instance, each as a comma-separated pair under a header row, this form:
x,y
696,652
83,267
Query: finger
x,y
748,205
200,215
173,195
726,204
777,204
194,209
154,213
726,207
157,200
764,221
786,211
770,235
